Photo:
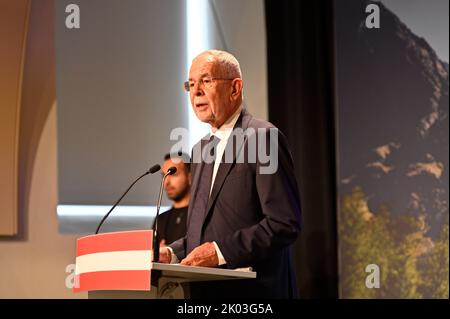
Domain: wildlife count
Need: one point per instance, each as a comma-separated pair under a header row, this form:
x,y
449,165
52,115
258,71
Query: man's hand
x,y
204,255
164,255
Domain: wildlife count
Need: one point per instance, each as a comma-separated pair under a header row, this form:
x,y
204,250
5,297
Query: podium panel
x,y
171,281
114,261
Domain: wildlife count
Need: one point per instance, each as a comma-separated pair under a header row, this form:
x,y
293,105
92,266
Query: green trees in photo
x,y
411,264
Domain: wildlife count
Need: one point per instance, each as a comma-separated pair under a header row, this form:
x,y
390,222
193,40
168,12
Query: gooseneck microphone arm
x,y
172,170
153,169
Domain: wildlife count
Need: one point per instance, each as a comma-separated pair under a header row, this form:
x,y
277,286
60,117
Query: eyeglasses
x,y
206,82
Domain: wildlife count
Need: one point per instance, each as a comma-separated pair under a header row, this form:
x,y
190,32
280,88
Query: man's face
x,y
215,104
178,184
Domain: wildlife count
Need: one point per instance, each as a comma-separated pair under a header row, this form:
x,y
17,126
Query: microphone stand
x,y
170,171
152,170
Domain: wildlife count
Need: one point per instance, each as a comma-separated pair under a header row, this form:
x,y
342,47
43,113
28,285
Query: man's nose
x,y
198,89
166,181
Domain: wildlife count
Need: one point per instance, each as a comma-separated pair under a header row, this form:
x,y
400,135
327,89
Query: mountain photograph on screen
x,y
392,155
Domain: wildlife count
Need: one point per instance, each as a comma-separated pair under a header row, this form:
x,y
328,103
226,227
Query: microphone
x,y
152,170
172,170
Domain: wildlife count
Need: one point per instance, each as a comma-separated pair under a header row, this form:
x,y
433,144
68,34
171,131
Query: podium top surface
x,y
193,273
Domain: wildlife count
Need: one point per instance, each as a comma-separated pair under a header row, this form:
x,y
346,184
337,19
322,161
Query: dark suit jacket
x,y
172,224
253,217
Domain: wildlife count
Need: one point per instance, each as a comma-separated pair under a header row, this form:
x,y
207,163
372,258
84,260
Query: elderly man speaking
x,y
240,215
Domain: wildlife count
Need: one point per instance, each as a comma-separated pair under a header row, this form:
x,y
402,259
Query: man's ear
x,y
237,86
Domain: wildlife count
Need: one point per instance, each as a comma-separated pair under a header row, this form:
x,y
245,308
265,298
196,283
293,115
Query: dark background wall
x,y
301,103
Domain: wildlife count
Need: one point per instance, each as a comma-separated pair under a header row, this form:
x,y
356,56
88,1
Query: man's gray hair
x,y
228,63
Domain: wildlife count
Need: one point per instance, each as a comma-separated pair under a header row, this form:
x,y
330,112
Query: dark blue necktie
x,y
200,203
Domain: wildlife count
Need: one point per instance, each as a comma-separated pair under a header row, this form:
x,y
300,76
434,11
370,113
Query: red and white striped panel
x,y
114,261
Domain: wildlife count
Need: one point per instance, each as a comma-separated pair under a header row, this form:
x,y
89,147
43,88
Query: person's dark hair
x,y
185,158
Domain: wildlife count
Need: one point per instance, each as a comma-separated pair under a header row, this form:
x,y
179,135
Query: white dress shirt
x,y
223,133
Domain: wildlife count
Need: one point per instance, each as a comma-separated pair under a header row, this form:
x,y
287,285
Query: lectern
x,y
118,265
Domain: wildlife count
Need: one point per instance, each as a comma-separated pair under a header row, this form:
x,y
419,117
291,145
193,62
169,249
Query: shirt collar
x,y
224,131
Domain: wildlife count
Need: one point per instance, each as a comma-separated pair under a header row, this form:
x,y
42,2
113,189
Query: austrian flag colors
x,y
114,261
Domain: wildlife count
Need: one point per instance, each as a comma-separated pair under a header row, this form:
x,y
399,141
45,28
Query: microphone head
x,y
154,169
172,170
